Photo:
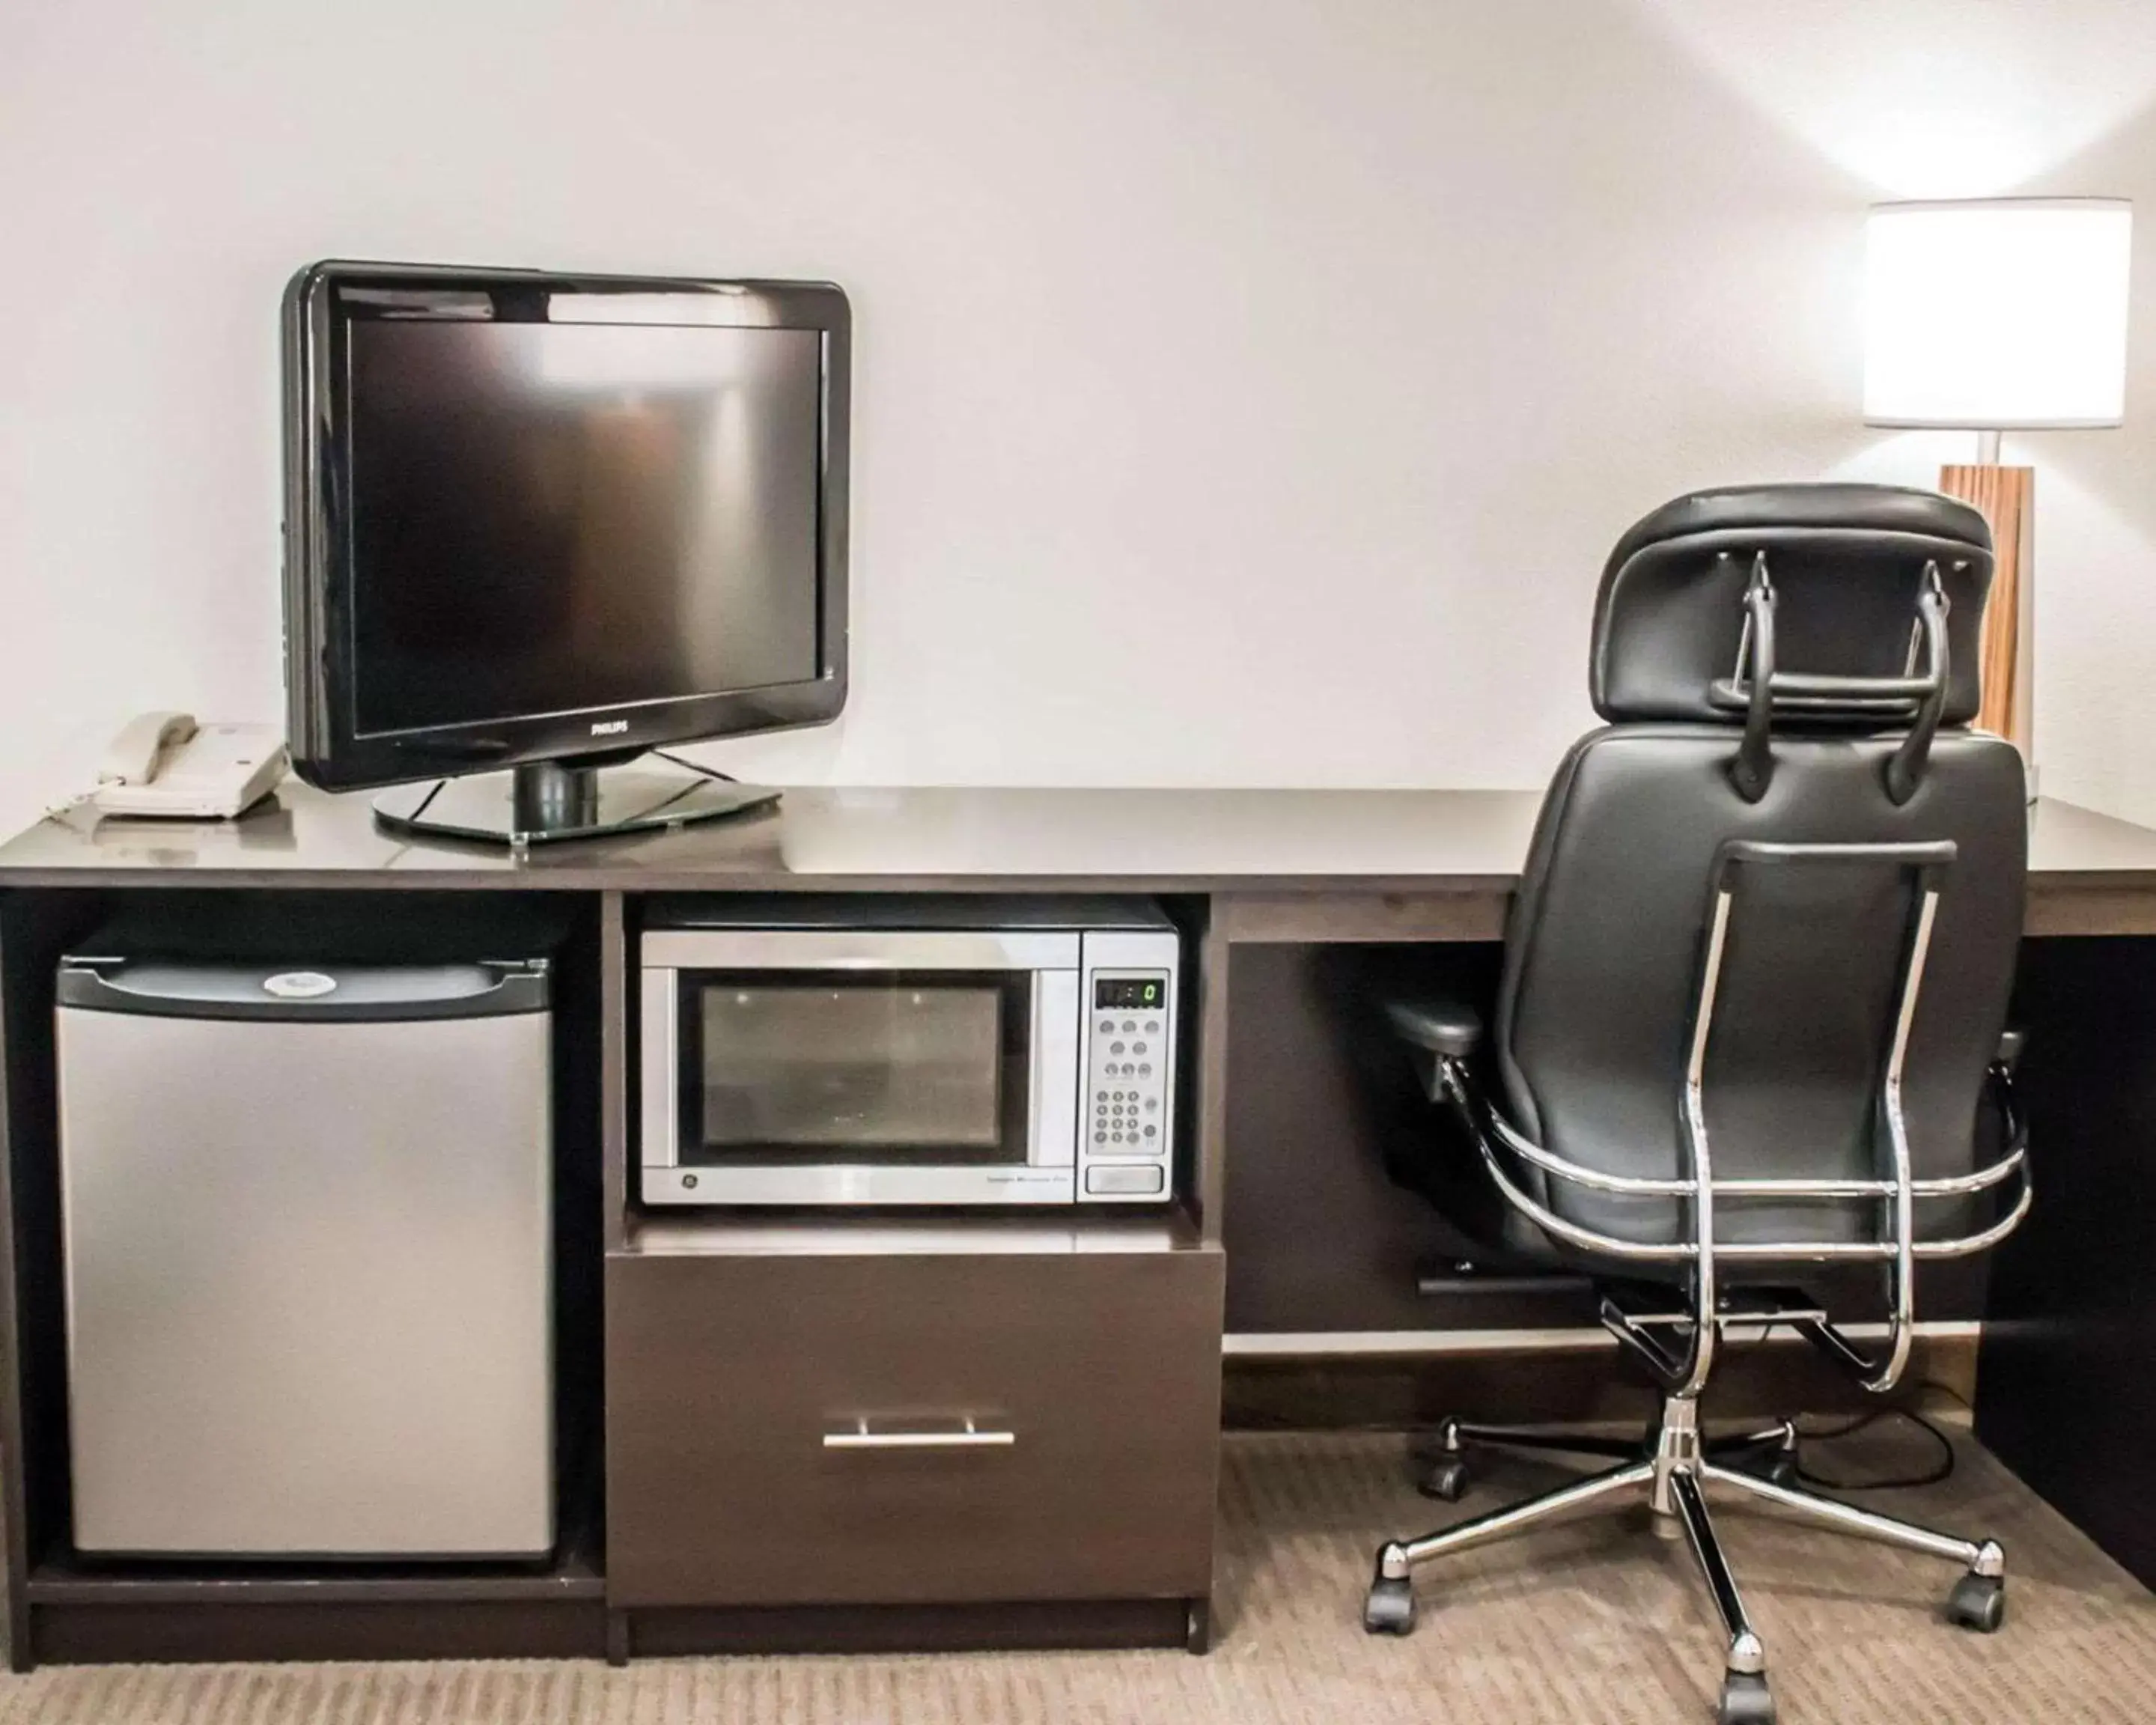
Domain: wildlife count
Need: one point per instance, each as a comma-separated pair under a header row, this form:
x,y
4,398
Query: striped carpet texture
x,y
1595,1624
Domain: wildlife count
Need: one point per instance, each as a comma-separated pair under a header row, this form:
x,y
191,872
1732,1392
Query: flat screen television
x,y
537,525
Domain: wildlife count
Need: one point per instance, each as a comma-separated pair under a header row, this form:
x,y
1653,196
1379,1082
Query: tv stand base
x,y
546,802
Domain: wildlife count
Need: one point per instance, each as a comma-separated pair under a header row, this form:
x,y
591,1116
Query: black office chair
x,y
1755,989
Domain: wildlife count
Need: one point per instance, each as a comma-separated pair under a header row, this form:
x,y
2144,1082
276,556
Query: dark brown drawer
x,y
786,1430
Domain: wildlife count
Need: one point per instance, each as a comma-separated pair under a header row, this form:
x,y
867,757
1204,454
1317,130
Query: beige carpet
x,y
1596,1623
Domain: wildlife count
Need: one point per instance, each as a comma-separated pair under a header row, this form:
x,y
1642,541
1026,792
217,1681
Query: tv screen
x,y
553,517
537,518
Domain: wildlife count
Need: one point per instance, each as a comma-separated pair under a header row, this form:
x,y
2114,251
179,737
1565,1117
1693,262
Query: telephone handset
x,y
134,755
164,763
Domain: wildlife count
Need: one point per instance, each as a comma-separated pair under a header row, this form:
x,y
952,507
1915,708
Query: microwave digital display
x,y
1128,991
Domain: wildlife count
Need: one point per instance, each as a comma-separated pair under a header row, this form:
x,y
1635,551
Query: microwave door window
x,y
877,1070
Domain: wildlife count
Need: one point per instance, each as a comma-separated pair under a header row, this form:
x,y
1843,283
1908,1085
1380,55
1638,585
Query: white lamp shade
x,y
1997,315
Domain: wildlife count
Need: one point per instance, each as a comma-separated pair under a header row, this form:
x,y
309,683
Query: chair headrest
x,y
1848,564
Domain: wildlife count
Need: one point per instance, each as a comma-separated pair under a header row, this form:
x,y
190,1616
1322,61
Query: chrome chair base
x,y
1444,1475
1673,1471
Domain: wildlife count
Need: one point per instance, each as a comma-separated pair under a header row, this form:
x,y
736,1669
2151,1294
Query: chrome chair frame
x,y
1676,1462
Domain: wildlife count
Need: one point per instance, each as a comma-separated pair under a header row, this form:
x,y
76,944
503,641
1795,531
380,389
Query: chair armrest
x,y
1448,1027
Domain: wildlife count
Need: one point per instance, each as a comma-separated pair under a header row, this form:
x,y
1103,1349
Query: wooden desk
x,y
1279,888
2089,873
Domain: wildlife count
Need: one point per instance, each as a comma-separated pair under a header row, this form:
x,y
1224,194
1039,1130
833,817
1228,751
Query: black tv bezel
x,y
328,749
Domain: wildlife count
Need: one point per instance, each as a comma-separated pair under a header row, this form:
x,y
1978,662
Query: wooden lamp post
x,y
1997,315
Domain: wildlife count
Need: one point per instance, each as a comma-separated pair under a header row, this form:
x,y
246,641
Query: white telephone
x,y
166,764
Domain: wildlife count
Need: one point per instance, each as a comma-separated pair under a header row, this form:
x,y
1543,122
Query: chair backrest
x,y
1783,669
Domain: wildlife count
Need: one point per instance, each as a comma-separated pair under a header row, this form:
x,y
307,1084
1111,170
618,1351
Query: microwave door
x,y
856,1084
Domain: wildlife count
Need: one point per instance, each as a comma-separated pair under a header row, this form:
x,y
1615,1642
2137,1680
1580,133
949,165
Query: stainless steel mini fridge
x,y
308,1246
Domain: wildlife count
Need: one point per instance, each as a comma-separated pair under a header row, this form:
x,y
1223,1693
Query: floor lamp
x,y
1991,315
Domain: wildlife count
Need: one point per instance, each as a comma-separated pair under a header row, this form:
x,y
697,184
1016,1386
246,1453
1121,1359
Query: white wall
x,y
1247,390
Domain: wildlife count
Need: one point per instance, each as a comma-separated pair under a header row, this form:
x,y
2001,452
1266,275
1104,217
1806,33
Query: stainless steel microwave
x,y
972,1052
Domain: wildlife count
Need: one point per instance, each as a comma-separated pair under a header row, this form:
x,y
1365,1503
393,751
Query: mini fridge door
x,y
308,1240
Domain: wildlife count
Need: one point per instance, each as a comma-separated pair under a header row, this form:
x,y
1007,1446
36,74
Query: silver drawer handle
x,y
971,1437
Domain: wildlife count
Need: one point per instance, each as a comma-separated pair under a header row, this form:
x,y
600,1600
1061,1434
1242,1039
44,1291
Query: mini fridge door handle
x,y
374,993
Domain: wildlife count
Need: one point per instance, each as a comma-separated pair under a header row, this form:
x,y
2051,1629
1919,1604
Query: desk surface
x,y
823,837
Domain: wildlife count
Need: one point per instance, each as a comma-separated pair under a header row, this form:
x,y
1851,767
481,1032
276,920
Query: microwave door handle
x,y
1057,1127
1036,1127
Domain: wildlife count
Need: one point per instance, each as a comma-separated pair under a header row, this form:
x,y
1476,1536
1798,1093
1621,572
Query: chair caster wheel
x,y
1390,1608
1978,1602
1444,1479
1746,1700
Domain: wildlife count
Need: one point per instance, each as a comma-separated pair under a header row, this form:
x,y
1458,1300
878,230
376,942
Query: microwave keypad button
x,y
1124,1181
1115,1047
1152,1027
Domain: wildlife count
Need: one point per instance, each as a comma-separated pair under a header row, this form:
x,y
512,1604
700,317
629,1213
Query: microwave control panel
x,y
1127,1118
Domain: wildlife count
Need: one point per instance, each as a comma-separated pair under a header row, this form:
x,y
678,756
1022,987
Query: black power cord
x,y
696,767
1941,1470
